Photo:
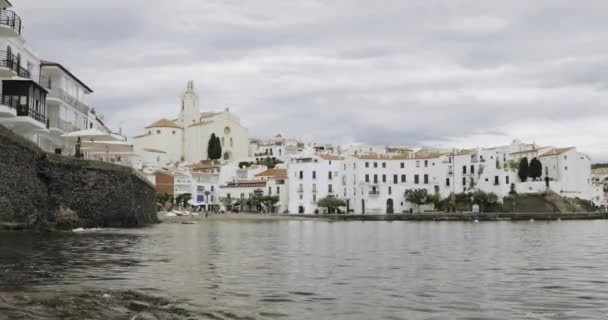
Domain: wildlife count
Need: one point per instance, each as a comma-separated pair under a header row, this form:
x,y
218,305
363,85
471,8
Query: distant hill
x,y
599,165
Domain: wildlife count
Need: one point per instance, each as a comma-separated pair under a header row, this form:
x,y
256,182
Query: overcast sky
x,y
429,72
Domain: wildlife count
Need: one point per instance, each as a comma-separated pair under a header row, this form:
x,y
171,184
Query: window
x,y
464,181
507,180
367,164
416,179
496,181
447,182
383,178
269,191
464,169
566,168
301,188
329,175
417,164
157,131
314,198
395,179
278,190
402,165
426,163
301,174
173,132
375,164
375,178
426,179
222,141
330,189
390,190
314,188
403,178
383,164
232,144
367,178
314,174
472,169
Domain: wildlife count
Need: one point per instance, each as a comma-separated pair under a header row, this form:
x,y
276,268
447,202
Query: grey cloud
x,y
388,72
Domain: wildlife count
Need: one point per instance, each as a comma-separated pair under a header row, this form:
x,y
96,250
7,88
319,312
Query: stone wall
x,y
46,190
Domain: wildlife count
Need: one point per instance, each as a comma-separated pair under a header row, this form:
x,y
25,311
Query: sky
x,y
437,73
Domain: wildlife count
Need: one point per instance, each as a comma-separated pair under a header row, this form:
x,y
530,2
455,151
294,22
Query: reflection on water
x,y
322,270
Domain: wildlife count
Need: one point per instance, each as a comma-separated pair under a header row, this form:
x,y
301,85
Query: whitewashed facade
x,y
186,137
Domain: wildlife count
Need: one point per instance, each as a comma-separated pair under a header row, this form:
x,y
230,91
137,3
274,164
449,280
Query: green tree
x,y
536,169
484,200
523,169
417,197
331,203
214,148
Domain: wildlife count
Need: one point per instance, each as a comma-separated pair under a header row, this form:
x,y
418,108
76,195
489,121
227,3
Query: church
x,y
186,138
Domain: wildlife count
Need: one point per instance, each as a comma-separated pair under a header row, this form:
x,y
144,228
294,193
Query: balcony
x,y
10,66
60,94
27,99
10,24
374,193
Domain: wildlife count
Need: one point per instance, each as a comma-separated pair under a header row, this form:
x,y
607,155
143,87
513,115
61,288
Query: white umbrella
x,y
107,147
92,135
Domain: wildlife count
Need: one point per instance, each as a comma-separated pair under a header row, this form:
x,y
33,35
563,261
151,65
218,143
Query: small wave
x,y
86,229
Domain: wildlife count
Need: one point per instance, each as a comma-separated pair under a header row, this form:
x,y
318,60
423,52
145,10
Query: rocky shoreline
x,y
94,304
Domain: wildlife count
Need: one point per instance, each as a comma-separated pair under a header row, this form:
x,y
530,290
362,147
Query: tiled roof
x,y
330,157
202,123
163,123
154,150
208,114
200,166
556,151
538,149
142,135
273,173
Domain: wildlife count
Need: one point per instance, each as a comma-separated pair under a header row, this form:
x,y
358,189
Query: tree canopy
x,y
214,148
417,197
536,169
523,169
331,202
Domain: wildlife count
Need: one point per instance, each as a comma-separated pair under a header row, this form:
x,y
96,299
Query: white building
x,y
40,100
312,179
23,103
186,137
67,110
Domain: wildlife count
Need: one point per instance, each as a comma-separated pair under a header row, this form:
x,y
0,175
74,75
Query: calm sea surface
x,y
341,270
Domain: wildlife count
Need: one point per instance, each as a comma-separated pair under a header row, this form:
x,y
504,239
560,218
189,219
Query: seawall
x,y
441,216
42,190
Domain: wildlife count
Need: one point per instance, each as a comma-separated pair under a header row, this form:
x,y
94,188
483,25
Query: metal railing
x,y
374,193
10,61
11,19
67,98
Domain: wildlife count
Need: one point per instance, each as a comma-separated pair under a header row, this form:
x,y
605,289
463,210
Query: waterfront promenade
x,y
437,216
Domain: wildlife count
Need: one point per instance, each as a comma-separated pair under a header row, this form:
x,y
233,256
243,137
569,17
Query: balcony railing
x,y
374,193
10,19
67,98
12,62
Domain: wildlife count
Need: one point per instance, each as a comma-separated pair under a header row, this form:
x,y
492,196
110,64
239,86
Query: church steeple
x,y
190,112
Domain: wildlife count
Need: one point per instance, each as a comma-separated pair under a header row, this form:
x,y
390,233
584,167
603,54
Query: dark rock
x,y
47,191
139,305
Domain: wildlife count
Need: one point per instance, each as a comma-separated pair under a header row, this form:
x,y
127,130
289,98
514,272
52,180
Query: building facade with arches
x,y
186,138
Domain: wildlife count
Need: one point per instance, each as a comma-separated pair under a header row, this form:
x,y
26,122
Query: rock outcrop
x,y
39,189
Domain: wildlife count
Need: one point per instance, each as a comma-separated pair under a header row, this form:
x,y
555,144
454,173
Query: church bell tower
x,y
189,112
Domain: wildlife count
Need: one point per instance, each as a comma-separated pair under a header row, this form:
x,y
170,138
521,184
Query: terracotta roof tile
x,y
273,173
163,123
154,150
556,151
